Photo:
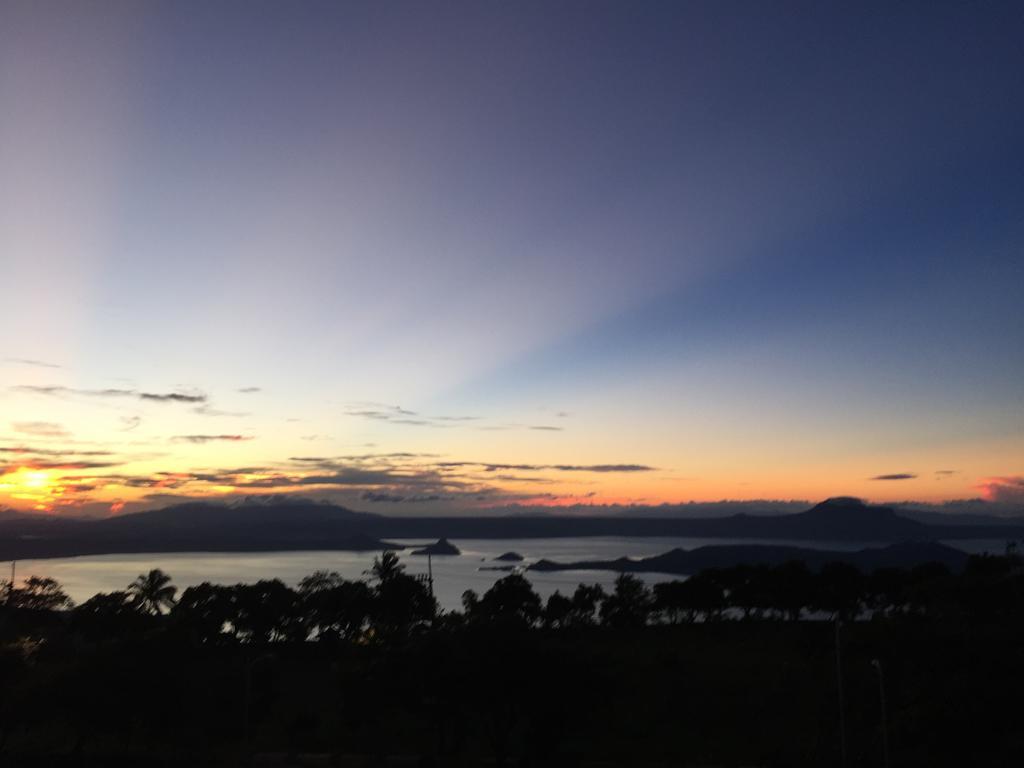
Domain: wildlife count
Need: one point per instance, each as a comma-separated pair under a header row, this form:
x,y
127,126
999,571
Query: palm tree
x,y
386,567
153,591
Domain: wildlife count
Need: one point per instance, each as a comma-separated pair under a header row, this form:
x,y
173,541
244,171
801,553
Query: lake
x,y
85,576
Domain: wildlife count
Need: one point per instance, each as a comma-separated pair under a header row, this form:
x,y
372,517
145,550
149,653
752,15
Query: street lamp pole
x,y
885,722
842,701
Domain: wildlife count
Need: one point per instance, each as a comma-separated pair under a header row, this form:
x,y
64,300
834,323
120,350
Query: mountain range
x,y
308,525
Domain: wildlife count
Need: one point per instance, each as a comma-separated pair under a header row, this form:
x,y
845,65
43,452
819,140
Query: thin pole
x,y
885,721
842,701
430,574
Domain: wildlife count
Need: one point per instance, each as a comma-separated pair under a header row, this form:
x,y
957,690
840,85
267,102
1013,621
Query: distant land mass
x,y
440,547
296,525
686,562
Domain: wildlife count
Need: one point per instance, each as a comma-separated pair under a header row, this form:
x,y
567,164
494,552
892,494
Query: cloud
x,y
249,390
376,496
1004,490
488,467
69,465
128,423
209,438
375,478
172,397
40,428
31,362
391,498
205,410
393,415
25,449
158,397
895,476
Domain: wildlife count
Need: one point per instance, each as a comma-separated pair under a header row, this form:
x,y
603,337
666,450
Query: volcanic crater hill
x,y
308,525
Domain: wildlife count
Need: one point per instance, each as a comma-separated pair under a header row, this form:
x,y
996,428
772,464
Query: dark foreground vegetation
x,y
730,667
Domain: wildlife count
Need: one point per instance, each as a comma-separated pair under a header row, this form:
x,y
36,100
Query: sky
x,y
423,258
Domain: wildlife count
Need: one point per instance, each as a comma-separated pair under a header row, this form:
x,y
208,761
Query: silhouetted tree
x,y
930,588
386,567
706,594
40,594
839,591
319,581
109,615
153,592
267,611
401,602
885,590
629,605
671,601
557,611
334,607
790,588
511,601
585,602
207,610
747,589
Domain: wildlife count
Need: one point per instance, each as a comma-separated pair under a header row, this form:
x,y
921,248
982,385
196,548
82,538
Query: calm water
x,y
83,577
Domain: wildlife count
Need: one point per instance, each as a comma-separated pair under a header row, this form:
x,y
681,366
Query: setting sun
x,y
36,486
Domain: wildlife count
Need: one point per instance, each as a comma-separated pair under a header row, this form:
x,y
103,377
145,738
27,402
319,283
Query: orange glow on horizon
x,y
39,487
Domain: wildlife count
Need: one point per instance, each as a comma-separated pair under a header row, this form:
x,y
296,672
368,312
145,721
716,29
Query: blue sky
x,y
765,250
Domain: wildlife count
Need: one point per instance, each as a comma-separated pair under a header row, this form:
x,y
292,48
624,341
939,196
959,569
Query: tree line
x,y
391,603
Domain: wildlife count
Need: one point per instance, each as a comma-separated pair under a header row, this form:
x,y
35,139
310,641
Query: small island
x,y
510,557
440,547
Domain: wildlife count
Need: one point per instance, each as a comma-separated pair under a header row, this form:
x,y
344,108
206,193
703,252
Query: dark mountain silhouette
x,y
510,557
203,515
686,562
958,518
838,519
193,527
308,525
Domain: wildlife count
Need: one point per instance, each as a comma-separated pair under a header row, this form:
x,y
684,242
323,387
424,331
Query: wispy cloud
x,y
30,362
68,465
35,451
249,390
895,476
172,397
206,410
128,423
40,428
210,438
394,414
157,397
490,467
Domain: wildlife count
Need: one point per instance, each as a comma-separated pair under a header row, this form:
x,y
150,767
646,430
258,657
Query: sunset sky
x,y
446,257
